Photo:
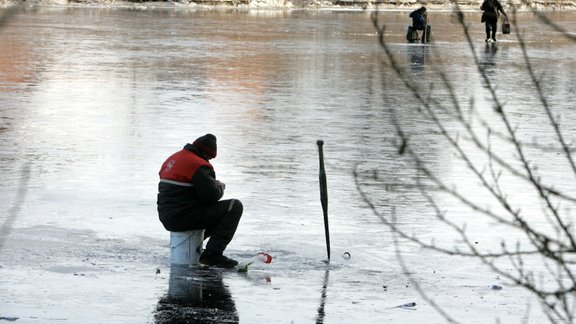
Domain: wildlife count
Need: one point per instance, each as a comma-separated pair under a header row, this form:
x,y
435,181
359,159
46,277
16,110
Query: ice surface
x,y
93,100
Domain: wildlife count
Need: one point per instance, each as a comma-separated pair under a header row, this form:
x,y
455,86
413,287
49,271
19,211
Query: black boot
x,y
217,260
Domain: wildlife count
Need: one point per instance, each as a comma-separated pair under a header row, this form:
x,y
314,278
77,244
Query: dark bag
x,y
505,28
412,35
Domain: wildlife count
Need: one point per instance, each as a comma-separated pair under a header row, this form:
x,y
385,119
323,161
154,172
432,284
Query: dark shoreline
x,y
542,5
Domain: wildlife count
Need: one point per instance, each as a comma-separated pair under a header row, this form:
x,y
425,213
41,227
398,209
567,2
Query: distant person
x,y
491,10
420,22
189,199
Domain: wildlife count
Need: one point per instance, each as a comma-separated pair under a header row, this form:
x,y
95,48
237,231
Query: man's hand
x,y
221,184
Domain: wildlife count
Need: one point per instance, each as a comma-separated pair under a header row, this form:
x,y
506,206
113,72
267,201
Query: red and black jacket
x,y
187,182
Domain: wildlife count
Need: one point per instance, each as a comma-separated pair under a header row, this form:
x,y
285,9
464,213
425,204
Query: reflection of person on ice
x,y
491,9
189,199
420,22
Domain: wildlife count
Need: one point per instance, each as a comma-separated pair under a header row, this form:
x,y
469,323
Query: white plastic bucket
x,y
186,247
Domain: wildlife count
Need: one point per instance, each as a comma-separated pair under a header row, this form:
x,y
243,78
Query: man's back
x,y
418,19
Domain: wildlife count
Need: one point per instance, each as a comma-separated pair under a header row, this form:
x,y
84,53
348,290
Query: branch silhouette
x,y
472,138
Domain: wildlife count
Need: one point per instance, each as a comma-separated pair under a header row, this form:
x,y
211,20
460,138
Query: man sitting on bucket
x,y
420,22
189,199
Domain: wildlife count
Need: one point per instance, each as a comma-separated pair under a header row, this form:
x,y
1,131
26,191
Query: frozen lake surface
x,y
92,100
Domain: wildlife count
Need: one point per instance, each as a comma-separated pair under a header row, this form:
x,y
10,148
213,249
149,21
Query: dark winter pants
x,y
219,222
491,28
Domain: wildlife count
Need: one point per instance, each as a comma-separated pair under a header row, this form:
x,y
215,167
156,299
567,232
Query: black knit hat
x,y
206,145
